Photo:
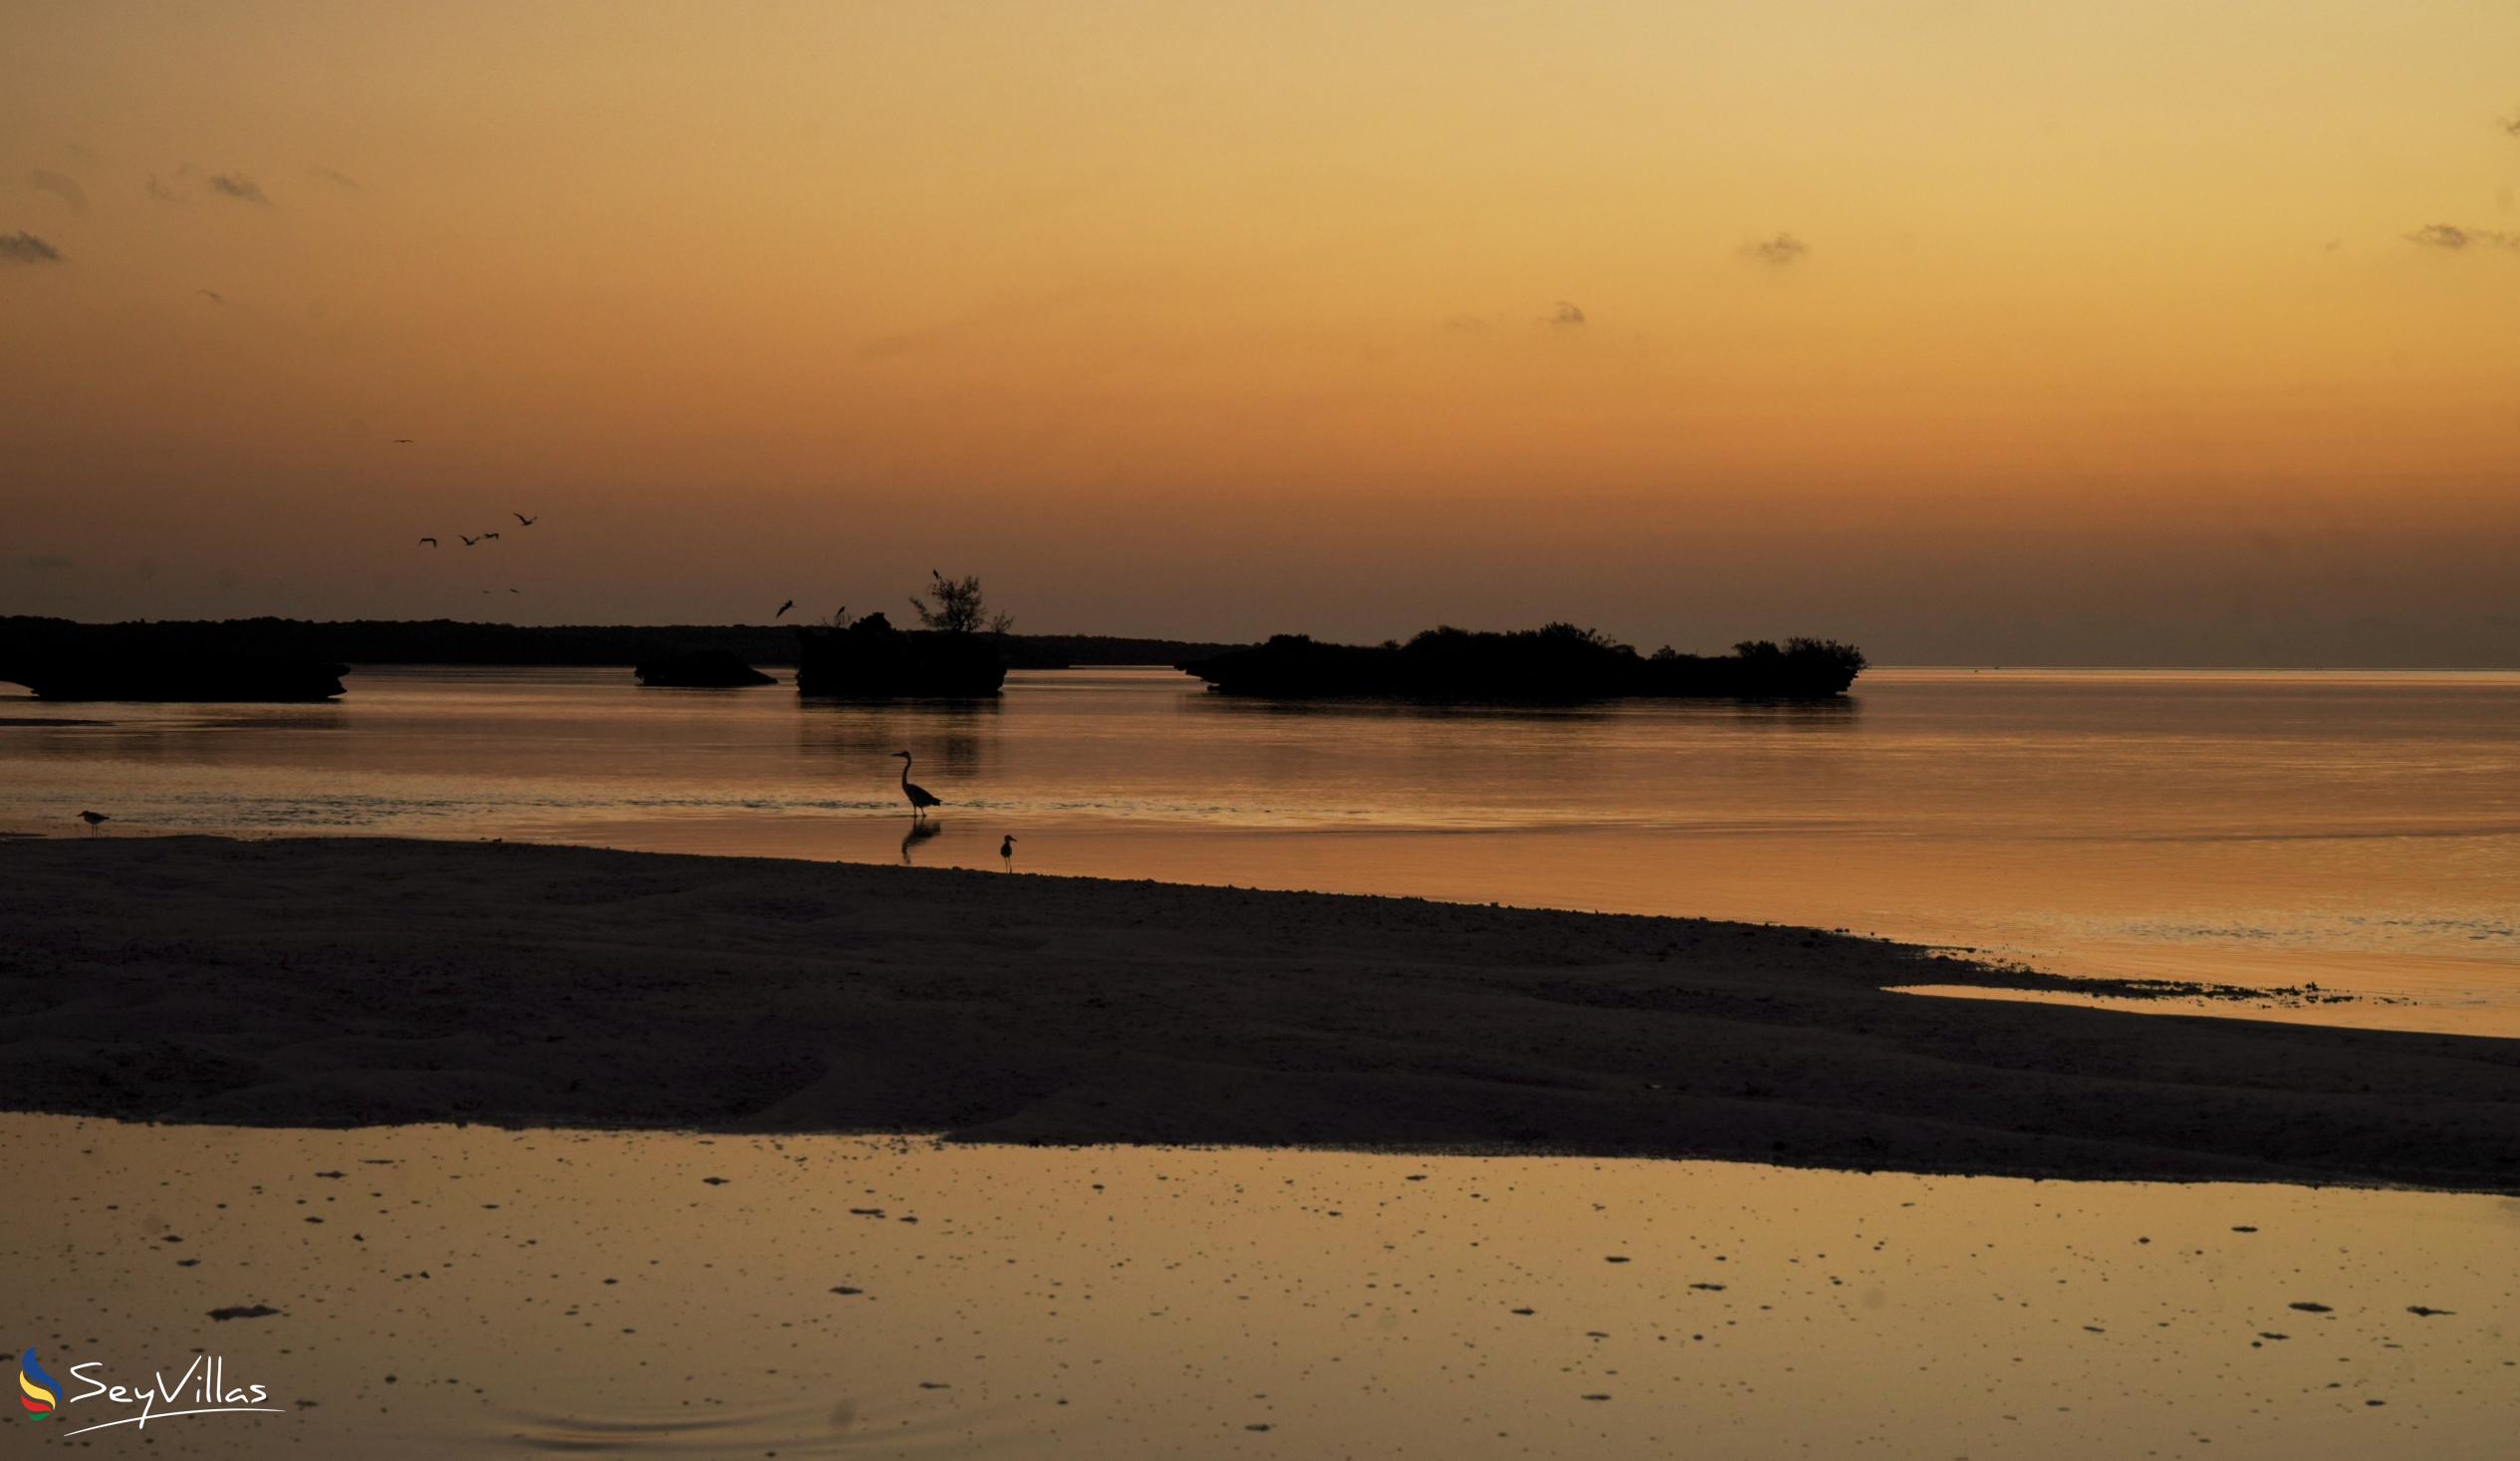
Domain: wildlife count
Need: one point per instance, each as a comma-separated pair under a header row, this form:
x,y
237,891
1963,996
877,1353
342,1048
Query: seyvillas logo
x,y
39,1392
201,1389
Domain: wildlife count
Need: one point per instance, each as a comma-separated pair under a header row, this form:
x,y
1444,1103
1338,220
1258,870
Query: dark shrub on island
x,y
207,677
62,660
1554,664
702,669
868,658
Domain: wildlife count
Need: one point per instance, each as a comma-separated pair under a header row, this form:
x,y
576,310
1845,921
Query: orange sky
x,y
1969,332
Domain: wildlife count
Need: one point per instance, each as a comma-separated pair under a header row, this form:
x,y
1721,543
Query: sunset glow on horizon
x,y
2138,334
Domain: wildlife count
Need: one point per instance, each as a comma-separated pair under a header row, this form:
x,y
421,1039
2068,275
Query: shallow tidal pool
x,y
442,1291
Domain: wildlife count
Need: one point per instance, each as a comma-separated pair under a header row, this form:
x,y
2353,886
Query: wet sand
x,y
431,1292
355,982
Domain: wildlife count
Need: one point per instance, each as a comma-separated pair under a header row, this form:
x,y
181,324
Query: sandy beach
x,y
353,982
428,1292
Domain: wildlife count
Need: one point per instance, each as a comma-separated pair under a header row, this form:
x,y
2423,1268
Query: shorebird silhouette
x,y
919,798
93,819
468,542
522,520
432,542
784,608
1006,850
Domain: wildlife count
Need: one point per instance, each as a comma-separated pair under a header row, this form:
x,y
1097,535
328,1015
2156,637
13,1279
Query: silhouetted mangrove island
x,y
702,669
1557,663
179,677
869,659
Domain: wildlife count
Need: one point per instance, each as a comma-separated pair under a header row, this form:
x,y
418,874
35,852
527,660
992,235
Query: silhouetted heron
x,y
919,798
1006,850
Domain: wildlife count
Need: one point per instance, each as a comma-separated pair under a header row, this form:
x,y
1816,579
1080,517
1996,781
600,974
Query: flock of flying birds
x,y
472,540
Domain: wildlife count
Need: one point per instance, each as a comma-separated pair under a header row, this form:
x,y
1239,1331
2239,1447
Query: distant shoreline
x,y
313,982
466,643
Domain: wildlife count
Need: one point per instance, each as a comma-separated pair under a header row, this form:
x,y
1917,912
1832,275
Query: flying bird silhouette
x,y
515,591
784,608
489,536
468,542
522,520
919,798
403,441
432,542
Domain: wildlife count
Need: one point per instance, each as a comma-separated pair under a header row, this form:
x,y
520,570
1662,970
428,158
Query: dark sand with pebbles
x,y
348,982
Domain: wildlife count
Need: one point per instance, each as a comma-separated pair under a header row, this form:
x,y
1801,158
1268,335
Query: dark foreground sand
x,y
341,982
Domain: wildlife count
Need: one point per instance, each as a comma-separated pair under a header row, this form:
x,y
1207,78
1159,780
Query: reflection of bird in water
x,y
1006,850
432,542
919,831
784,608
919,798
95,818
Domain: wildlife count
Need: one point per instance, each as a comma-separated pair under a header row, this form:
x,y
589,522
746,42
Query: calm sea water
x,y
2359,830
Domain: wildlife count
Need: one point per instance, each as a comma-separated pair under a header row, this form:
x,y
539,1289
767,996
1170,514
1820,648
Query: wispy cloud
x,y
1465,323
1564,313
1784,248
2511,124
2452,236
60,186
171,192
238,186
26,248
334,176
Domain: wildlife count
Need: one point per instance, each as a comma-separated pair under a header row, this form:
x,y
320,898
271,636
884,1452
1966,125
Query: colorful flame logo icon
x,y
40,1393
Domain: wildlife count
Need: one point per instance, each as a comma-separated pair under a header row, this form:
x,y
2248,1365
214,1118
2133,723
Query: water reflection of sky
x,y
470,1291
2363,828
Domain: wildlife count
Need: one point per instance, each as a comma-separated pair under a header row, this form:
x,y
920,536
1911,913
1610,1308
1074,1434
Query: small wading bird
x,y
432,542
919,798
95,818
1006,850
522,520
784,608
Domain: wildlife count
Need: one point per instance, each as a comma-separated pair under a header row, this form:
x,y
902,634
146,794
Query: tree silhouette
x,y
959,607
